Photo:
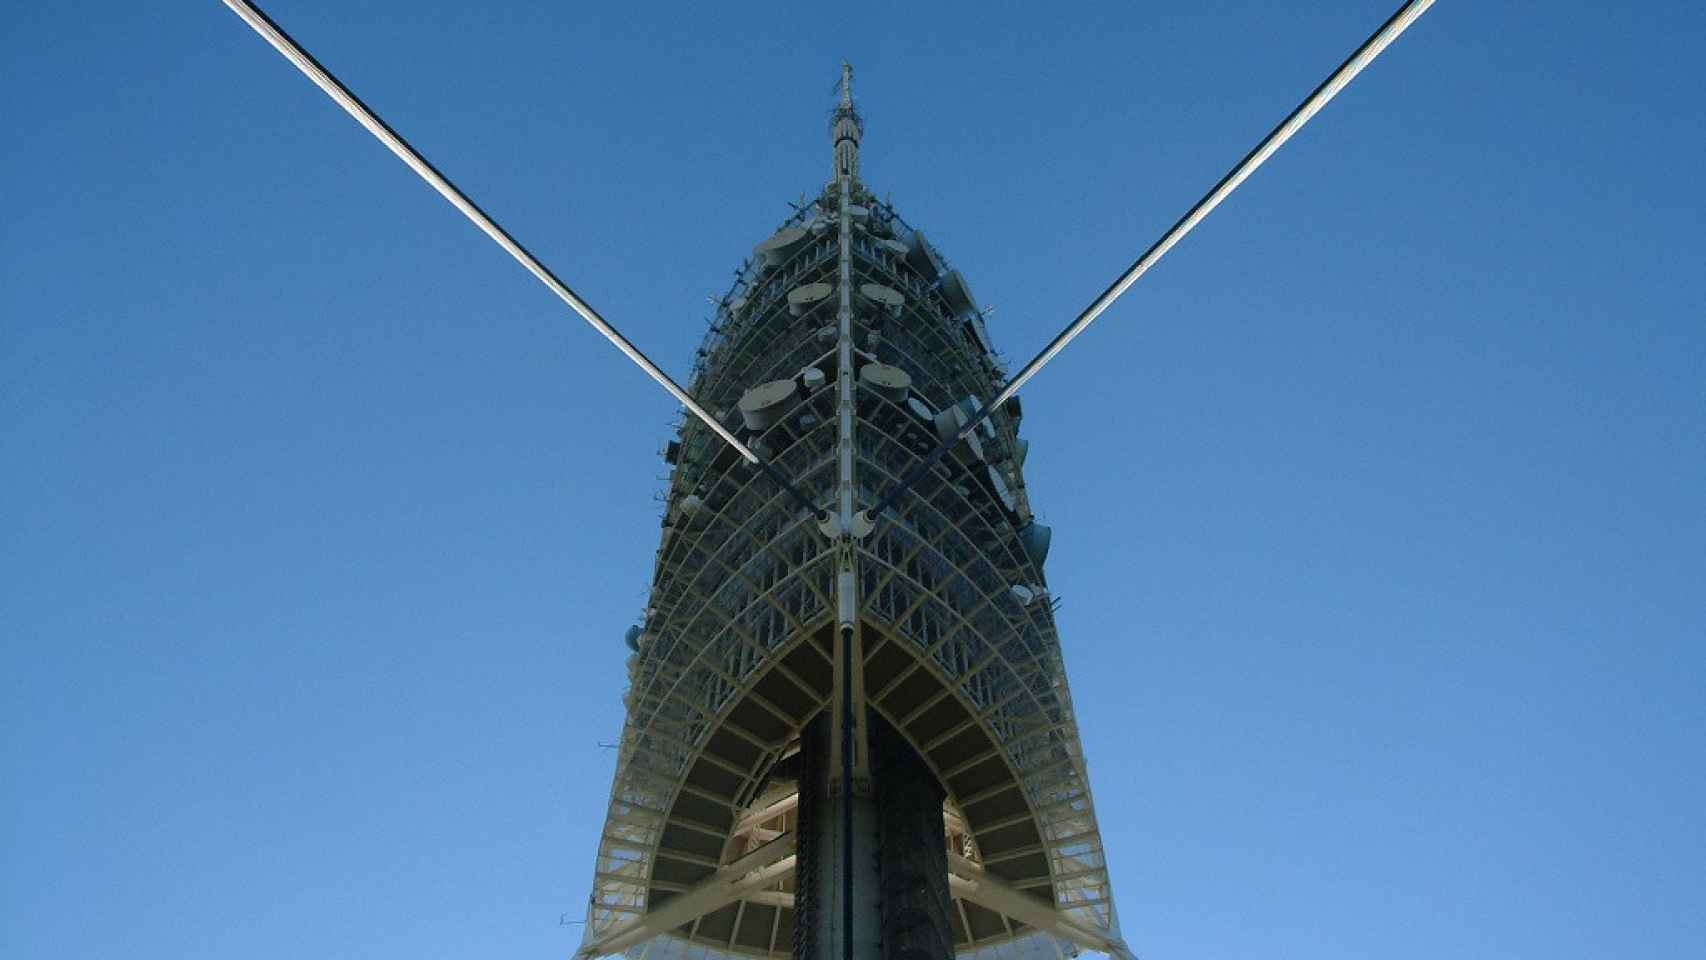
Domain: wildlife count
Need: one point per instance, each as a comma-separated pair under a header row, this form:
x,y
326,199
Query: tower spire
x,y
846,129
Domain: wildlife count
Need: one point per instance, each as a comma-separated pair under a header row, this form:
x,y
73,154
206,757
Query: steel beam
x,y
968,881
760,868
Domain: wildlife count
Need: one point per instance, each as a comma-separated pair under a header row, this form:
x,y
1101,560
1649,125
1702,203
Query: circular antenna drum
x,y
884,298
803,298
891,383
764,404
780,246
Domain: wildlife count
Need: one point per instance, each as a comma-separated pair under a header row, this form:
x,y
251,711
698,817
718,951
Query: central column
x,y
871,874
893,838
831,834
838,916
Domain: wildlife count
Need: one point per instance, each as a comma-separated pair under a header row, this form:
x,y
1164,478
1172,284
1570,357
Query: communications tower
x,y
847,734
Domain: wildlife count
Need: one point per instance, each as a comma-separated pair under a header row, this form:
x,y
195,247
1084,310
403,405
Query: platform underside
x,y
999,860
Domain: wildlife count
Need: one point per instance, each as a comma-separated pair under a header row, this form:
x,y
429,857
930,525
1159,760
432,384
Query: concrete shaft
x,y
900,903
913,851
819,904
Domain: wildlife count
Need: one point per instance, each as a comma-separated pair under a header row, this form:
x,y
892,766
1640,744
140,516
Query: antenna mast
x,y
846,129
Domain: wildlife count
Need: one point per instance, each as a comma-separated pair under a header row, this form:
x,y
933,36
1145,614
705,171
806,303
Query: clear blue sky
x,y
1380,505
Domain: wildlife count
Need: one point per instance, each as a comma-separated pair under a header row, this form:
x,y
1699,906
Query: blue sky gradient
x,y
1380,505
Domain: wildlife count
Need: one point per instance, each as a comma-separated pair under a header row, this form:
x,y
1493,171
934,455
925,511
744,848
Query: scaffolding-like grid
x,y
744,582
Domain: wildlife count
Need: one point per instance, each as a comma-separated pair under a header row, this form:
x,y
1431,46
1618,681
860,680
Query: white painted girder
x,y
968,881
760,868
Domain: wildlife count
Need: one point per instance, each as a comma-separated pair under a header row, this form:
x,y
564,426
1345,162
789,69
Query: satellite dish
x,y
958,295
949,421
971,406
1000,484
1034,538
919,256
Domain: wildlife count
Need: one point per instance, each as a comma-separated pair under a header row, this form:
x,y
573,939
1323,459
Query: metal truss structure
x,y
959,648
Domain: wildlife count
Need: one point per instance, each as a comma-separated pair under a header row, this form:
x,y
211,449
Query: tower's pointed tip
x,y
847,129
